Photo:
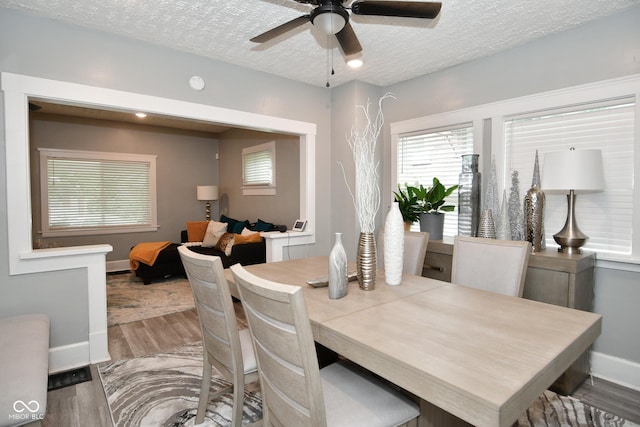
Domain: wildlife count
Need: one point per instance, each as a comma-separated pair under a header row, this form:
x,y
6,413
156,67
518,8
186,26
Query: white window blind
x,y
258,169
606,217
436,153
94,193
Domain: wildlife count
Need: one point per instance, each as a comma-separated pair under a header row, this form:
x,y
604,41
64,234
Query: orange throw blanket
x,y
145,252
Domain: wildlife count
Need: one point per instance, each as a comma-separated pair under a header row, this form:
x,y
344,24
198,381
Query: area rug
x,y
129,300
553,410
163,390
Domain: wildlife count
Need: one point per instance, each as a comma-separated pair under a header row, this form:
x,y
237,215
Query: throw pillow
x,y
225,243
234,226
263,226
246,232
230,221
240,239
196,230
215,229
239,226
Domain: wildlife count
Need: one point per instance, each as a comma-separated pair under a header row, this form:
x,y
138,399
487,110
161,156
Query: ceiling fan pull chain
x,y
333,72
328,85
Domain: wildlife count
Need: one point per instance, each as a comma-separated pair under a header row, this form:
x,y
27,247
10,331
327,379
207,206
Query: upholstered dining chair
x,y
415,249
295,392
494,265
225,347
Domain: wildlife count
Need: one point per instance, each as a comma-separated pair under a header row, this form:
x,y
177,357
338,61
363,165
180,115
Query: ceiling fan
x,y
332,17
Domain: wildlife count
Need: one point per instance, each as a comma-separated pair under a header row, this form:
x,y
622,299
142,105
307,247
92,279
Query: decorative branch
x,y
363,146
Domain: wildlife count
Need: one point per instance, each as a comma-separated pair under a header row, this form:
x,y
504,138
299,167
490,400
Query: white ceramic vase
x,y
393,246
338,280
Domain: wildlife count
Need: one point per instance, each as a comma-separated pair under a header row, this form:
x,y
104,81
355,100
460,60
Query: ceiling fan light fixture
x,y
329,18
355,62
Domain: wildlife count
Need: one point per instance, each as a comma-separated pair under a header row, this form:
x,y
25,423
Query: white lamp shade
x,y
329,23
207,192
579,170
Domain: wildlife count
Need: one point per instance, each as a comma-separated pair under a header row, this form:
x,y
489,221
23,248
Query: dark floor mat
x,y
68,378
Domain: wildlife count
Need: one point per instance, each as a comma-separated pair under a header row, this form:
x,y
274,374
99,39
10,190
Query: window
x,y
602,115
606,217
258,170
436,153
86,192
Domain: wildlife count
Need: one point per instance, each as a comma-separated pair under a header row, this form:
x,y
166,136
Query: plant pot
x,y
433,223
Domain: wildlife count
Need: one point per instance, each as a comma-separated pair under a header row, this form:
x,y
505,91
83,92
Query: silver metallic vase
x,y
366,261
534,212
534,218
469,196
338,280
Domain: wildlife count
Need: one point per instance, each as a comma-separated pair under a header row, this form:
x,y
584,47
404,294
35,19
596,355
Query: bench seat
x,y
24,358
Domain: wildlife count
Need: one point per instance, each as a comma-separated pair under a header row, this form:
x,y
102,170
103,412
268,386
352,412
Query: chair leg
x,y
204,390
238,404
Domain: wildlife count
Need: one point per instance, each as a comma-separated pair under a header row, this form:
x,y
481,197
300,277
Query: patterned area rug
x,y
553,410
128,300
163,390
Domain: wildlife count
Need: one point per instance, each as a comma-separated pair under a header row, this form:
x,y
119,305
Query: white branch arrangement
x,y
363,147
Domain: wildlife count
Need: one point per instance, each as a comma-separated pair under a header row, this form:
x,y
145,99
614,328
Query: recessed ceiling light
x,y
355,62
141,115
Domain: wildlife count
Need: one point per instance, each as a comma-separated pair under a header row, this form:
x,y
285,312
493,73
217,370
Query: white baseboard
x,y
68,357
120,265
616,370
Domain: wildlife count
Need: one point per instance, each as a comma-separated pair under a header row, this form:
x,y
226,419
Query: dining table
x,y
472,357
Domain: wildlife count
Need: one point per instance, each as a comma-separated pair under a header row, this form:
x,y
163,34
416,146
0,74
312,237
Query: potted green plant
x,y
408,204
432,207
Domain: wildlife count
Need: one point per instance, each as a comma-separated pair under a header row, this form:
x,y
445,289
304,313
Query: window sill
x,y
98,231
271,191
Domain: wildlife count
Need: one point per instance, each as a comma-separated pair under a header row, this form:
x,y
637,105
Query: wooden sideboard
x,y
552,277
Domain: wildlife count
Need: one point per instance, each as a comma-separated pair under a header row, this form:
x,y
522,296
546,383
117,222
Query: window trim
x,y
260,189
494,114
46,153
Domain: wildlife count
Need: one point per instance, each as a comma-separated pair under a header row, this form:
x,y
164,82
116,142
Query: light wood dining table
x,y
472,357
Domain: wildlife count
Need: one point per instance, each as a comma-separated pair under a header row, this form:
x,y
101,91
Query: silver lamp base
x,y
570,238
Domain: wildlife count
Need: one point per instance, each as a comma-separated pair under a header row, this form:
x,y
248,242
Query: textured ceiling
x,y
394,49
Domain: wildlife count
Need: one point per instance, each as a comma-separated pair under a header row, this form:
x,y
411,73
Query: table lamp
x,y
208,193
574,171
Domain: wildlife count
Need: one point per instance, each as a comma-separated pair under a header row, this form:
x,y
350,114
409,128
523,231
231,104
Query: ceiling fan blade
x,y
348,41
405,9
281,29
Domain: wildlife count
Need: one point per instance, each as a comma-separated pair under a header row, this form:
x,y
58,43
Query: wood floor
x,y
85,404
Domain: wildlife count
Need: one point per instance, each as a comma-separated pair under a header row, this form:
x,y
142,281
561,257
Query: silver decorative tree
x,y
491,198
515,209
503,231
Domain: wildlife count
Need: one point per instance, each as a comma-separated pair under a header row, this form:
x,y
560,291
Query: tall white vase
x,y
393,246
338,280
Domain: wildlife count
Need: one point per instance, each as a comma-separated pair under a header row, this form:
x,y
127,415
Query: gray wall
x,y
184,160
284,207
346,114
45,48
606,49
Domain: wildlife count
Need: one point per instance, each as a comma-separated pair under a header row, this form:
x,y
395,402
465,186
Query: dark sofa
x,y
168,262
244,254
